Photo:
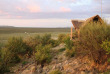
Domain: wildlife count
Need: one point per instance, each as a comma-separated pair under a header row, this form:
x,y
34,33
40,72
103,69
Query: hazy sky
x,y
49,13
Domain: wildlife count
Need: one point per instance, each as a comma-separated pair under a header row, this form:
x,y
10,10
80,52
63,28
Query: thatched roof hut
x,y
78,23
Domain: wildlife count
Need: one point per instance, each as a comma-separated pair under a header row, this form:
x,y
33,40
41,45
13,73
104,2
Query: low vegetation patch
x,y
43,54
12,53
55,72
70,52
16,49
70,49
62,49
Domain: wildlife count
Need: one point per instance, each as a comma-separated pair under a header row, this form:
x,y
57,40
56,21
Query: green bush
x,y
32,42
55,72
5,60
13,50
70,53
16,45
54,43
62,49
61,38
24,63
43,54
106,46
68,42
45,39
91,37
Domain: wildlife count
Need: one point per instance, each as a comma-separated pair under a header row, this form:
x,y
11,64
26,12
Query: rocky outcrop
x,y
30,70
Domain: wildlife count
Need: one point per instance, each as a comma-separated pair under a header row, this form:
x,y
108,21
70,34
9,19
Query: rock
x,y
108,67
31,70
26,72
91,73
82,72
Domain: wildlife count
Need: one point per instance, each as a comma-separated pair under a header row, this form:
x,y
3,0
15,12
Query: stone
x,y
33,69
82,72
30,71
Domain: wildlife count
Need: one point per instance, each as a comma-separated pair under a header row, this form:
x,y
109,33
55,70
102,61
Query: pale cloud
x,y
19,8
34,8
1,12
63,9
52,8
19,16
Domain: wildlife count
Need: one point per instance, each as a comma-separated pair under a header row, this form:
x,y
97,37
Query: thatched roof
x,y
78,23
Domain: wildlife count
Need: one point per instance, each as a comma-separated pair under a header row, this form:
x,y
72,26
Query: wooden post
x,y
71,33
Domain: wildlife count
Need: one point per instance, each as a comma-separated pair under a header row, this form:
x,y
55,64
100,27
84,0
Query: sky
x,y
50,13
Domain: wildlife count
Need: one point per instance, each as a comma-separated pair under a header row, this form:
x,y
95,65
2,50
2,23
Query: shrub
x,y
61,38
5,59
43,54
45,39
32,42
70,53
14,49
106,46
54,43
91,37
68,42
55,72
62,49
16,45
24,63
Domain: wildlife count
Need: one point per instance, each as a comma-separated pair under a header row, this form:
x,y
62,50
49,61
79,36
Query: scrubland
x,y
55,53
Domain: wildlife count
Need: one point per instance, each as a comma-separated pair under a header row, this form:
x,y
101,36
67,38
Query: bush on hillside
x,y
62,49
106,46
17,46
32,42
46,39
91,37
5,59
68,42
55,72
43,54
13,50
54,43
70,52
61,38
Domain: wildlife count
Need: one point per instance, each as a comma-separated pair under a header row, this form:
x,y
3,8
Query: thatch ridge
x,y
78,23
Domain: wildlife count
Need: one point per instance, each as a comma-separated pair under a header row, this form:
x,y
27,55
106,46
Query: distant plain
x,y
6,33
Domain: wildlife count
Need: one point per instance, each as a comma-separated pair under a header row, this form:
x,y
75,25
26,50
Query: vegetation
x,y
32,42
43,54
55,72
70,52
62,49
68,42
93,41
91,37
70,49
106,46
61,38
12,53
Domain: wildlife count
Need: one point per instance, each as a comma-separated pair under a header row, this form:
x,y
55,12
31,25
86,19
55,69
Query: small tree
x,y
43,54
